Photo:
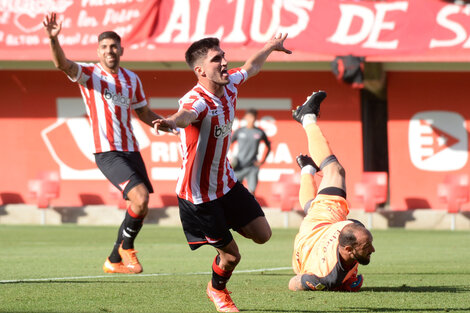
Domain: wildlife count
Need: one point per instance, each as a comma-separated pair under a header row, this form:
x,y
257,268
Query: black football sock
x,y
114,257
132,225
220,277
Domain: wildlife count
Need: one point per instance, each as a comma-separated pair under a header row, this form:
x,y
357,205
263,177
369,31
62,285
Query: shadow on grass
x,y
365,309
419,289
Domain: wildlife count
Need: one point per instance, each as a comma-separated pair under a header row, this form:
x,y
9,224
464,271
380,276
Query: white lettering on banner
x,y
200,31
372,25
179,21
255,29
22,40
459,31
86,21
380,24
237,34
119,16
299,8
31,8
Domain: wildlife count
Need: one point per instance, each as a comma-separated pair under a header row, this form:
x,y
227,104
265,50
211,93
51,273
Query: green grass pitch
x,y
58,269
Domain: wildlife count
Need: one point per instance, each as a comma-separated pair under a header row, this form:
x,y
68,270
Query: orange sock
x,y
318,146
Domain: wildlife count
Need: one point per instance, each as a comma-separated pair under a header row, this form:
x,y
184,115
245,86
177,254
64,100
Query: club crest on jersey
x,y
220,131
116,98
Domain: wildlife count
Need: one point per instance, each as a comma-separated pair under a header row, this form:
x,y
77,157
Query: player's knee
x,y
140,202
334,169
232,259
263,237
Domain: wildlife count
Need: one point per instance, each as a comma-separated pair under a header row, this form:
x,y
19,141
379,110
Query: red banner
x,y
160,30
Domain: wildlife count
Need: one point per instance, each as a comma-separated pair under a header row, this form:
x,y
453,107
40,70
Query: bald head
x,y
357,240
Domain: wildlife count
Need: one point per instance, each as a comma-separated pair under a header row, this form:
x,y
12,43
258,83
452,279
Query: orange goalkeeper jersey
x,y
316,244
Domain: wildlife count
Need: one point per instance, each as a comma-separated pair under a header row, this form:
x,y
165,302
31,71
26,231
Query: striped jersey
x,y
206,173
109,99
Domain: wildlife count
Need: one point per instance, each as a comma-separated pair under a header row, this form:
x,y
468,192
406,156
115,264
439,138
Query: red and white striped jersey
x,y
109,99
206,173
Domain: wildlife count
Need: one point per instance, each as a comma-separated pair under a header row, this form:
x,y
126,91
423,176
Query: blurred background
x,y
397,74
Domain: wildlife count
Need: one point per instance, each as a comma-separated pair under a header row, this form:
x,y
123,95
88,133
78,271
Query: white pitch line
x,y
15,281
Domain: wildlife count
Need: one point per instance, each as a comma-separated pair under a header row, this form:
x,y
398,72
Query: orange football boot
x,y
221,298
109,267
129,259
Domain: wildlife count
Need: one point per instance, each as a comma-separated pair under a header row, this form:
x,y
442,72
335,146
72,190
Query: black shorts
x,y
123,169
210,222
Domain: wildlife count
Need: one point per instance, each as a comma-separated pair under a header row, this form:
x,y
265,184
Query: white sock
x,y
308,169
309,119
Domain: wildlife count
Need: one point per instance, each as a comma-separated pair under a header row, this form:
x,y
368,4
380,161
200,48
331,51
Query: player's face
x,y
250,120
363,249
109,53
214,67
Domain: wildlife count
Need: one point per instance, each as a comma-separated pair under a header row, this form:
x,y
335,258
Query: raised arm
x,y
52,29
254,64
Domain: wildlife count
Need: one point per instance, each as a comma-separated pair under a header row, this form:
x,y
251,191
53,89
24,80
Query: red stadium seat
x,y
372,189
454,191
45,188
117,195
286,191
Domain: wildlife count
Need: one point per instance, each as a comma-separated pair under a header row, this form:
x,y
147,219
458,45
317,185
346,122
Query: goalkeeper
x,y
328,247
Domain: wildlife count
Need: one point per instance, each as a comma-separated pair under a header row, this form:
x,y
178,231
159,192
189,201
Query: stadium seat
x,y
454,191
286,193
117,195
43,189
372,190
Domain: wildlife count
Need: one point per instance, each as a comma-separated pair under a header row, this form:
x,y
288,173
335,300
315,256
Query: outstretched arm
x,y
146,115
182,119
52,29
295,283
254,64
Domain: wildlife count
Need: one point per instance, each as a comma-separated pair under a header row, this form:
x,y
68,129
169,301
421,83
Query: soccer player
x,y
328,247
210,198
249,138
110,92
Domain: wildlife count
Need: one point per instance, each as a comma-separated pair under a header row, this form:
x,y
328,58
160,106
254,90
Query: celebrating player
x,y
211,201
328,247
110,92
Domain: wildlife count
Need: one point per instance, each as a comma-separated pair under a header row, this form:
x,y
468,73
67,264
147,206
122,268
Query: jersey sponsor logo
x,y
438,141
220,131
117,98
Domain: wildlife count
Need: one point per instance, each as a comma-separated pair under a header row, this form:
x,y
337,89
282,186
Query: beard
x,y
363,260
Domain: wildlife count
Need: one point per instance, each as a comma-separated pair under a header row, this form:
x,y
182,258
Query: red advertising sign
x,y
428,135
46,128
158,30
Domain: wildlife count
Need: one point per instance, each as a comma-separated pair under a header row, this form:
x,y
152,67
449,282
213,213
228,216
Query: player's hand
x,y
51,26
257,163
165,125
276,43
353,284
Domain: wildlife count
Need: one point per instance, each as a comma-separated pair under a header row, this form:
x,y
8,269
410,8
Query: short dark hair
x,y
252,111
109,35
199,49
